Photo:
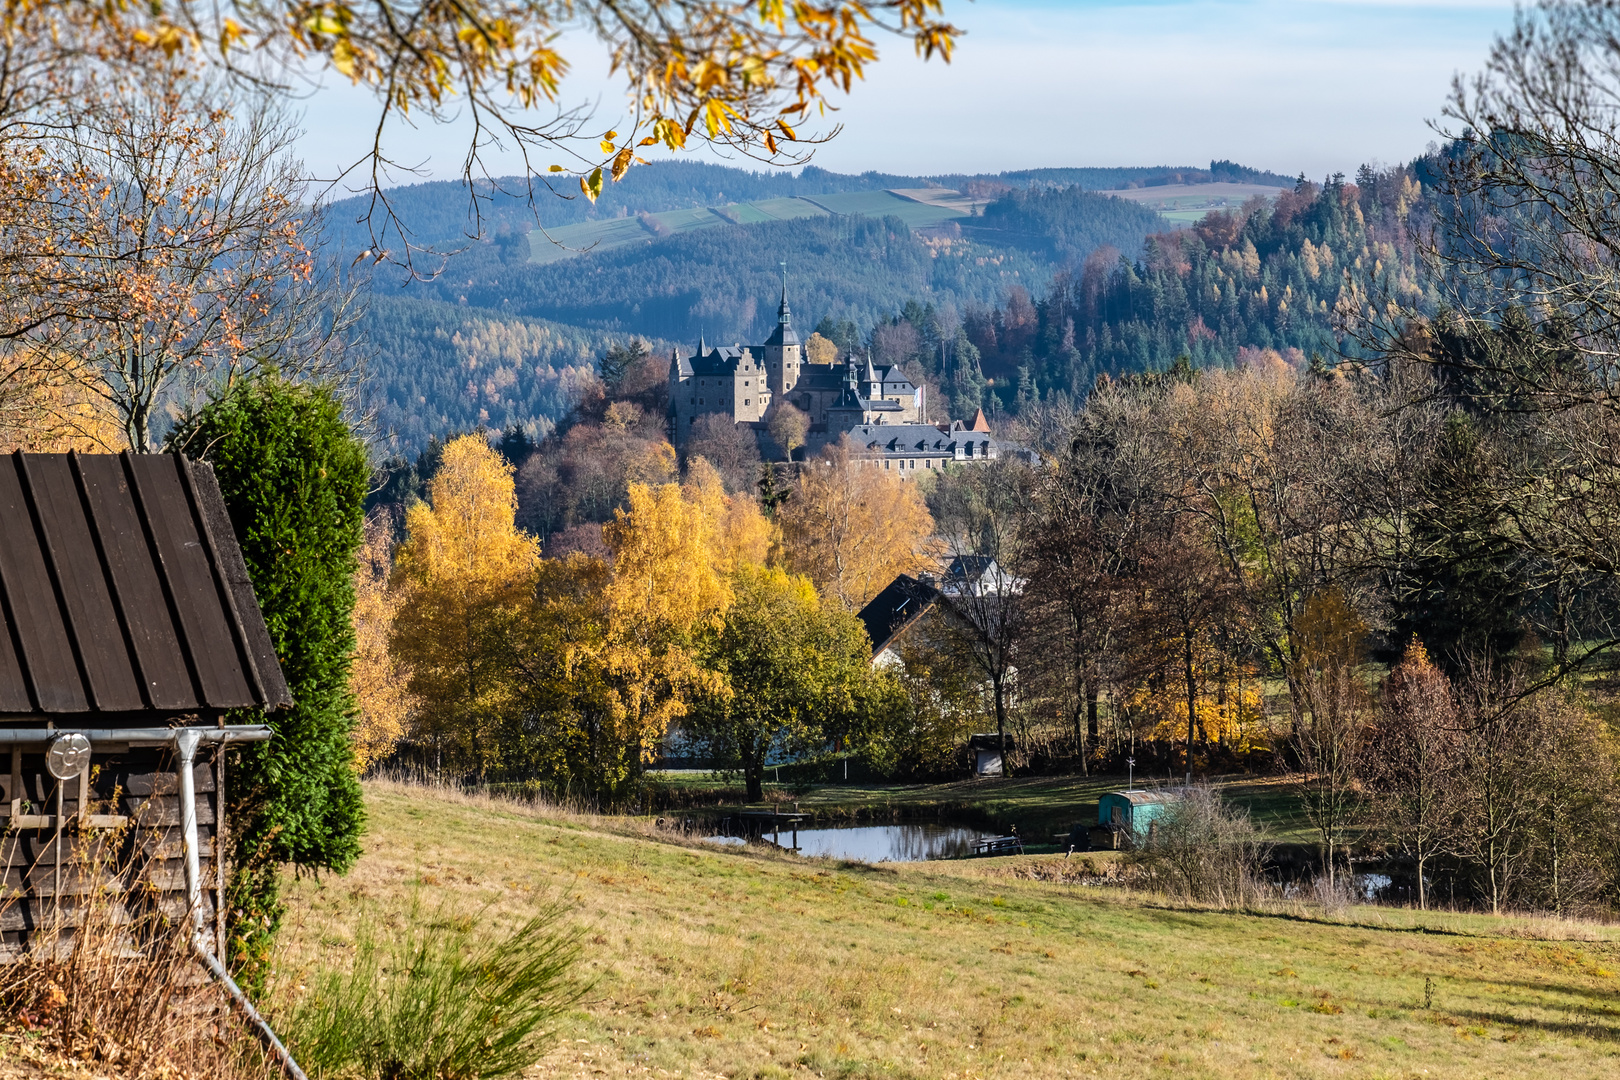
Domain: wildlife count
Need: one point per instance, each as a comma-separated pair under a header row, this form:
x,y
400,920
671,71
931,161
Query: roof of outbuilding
x,y
123,593
1141,797
890,612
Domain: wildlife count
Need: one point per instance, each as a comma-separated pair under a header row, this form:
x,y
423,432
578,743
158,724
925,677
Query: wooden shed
x,y
128,629
984,753
1133,811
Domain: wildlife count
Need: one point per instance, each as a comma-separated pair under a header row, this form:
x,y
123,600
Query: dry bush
x,y
1202,848
116,983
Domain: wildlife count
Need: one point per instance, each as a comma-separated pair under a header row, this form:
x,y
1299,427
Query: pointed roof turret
x,y
870,374
784,334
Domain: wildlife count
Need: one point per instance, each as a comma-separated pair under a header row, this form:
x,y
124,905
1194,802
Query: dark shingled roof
x,y
899,605
123,594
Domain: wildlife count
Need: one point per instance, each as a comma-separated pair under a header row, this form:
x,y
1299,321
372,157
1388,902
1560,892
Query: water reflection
x,y
918,842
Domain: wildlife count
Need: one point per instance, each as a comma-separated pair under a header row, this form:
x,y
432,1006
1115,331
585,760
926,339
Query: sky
x,y
1288,85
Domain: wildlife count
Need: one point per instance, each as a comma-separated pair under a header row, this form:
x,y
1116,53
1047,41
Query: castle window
x,y
747,401
913,465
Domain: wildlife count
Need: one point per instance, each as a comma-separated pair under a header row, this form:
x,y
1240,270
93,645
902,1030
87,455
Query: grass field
x,y
571,240
747,963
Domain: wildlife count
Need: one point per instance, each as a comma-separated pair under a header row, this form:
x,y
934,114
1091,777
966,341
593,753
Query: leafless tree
x,y
728,446
1327,734
165,248
1411,766
980,514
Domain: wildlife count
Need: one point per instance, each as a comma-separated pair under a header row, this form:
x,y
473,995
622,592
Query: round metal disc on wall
x,y
68,756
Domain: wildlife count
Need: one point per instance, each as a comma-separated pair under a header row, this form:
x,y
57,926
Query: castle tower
x,y
783,353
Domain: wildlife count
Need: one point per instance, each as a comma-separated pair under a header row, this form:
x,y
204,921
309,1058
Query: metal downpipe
x,y
185,743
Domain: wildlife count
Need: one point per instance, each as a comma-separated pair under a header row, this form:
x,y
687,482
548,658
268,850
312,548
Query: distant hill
x,y
438,368
508,331
721,280
440,213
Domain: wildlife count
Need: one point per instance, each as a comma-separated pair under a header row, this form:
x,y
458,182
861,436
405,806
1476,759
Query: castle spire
x,y
784,317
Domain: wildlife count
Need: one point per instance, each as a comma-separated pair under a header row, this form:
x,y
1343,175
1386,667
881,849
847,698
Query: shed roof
x,y
1140,797
123,593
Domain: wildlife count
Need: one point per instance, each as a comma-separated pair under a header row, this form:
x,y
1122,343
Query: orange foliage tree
x,y
851,526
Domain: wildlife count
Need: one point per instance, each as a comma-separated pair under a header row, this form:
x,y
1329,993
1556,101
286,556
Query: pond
x,y
912,842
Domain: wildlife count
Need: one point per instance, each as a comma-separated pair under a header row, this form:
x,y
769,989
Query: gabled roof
x,y
1141,797
893,610
123,594
970,567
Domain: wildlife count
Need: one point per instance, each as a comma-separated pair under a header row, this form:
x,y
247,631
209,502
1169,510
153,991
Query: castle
x,y
876,405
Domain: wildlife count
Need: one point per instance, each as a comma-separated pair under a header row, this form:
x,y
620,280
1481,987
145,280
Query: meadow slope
x,y
756,964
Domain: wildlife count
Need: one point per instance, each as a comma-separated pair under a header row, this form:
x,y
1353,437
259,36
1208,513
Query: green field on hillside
x,y
569,240
753,963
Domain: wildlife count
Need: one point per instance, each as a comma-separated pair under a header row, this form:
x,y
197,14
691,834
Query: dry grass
x,y
120,994
747,963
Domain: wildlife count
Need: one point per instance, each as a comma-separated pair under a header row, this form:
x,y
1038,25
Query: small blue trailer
x,y
1133,812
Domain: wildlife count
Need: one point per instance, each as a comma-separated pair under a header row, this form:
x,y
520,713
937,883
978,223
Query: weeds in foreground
x,y
109,980
449,998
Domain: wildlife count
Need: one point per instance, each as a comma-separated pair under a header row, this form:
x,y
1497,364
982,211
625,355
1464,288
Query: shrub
x,y
294,478
448,999
1201,848
114,982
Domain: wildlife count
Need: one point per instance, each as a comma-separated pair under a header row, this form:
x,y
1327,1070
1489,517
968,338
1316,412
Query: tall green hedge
x,y
294,479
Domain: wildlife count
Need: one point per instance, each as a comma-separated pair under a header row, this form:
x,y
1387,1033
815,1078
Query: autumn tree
x,y
788,425
604,660
1184,602
463,569
820,350
728,446
1327,736
753,79
851,526
1412,762
166,248
791,671
381,682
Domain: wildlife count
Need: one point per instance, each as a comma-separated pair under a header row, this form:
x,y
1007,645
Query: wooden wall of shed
x,y
140,865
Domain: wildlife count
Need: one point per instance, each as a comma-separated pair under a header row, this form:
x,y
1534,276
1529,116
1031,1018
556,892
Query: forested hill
x,y
498,339
439,212
438,368
723,282
1266,277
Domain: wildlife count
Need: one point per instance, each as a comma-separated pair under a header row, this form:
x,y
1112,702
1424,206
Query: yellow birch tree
x,y
381,683
465,569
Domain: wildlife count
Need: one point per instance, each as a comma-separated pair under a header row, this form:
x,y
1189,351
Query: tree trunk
x,y
754,774
1091,710
1001,722
1192,698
